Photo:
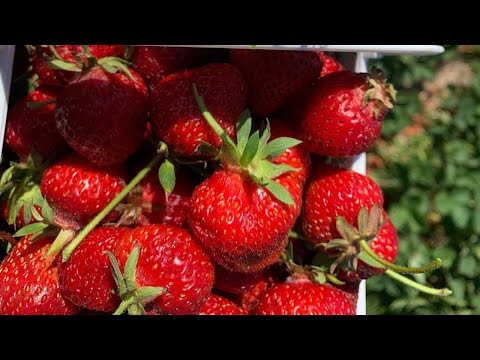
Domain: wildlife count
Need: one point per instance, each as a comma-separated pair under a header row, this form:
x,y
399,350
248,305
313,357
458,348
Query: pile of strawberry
x,y
162,180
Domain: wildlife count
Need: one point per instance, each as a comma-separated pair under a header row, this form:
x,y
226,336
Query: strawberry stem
x,y
425,289
295,235
435,264
7,237
206,114
101,215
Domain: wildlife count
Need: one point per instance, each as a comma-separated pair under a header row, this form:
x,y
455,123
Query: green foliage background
x,y
428,165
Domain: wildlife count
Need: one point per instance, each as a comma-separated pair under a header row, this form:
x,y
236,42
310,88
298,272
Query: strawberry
x,y
297,157
330,65
350,290
86,278
384,244
274,76
52,76
304,298
344,113
175,116
243,212
77,190
240,223
217,305
102,115
163,208
34,127
333,192
168,258
234,282
154,63
29,283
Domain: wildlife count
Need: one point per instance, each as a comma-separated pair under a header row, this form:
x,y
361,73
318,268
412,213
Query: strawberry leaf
x,y
266,134
278,146
63,65
31,228
166,175
117,274
244,126
346,230
362,221
272,171
147,294
279,192
250,149
130,268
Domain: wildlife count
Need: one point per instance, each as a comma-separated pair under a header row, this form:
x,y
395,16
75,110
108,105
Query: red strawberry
x,y
297,157
234,282
350,290
304,299
176,117
385,245
217,305
333,192
240,223
35,127
165,209
77,190
344,113
169,258
154,63
274,76
86,278
330,65
29,283
102,115
55,77
250,299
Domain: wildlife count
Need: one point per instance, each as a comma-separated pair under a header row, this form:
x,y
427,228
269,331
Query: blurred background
x,y
428,165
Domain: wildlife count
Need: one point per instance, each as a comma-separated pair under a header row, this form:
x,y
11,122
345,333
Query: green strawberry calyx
x,y
85,60
381,93
134,298
251,154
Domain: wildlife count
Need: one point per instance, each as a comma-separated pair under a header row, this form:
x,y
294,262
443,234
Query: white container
x,y
357,61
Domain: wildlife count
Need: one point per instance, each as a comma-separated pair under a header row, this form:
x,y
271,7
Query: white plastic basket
x,y
356,61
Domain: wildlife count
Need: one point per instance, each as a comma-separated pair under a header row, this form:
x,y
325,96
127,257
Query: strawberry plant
x,y
428,167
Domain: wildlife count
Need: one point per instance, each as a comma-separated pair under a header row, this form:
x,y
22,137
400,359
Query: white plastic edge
x,y
6,64
383,49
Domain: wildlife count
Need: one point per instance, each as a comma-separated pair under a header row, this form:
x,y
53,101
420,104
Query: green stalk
x,y
206,114
295,235
101,215
425,289
435,264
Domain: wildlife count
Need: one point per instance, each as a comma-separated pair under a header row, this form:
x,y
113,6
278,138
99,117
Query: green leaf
x,y
362,221
166,175
467,266
367,259
346,230
63,65
36,214
147,294
265,137
30,229
250,149
279,192
244,126
130,268
269,170
117,274
277,147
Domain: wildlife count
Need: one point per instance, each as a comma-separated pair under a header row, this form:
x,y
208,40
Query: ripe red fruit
x,y
169,258
274,76
234,282
297,157
34,127
217,305
29,283
385,245
175,115
165,209
102,115
86,278
241,224
330,65
154,63
77,190
343,114
55,77
304,299
333,192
